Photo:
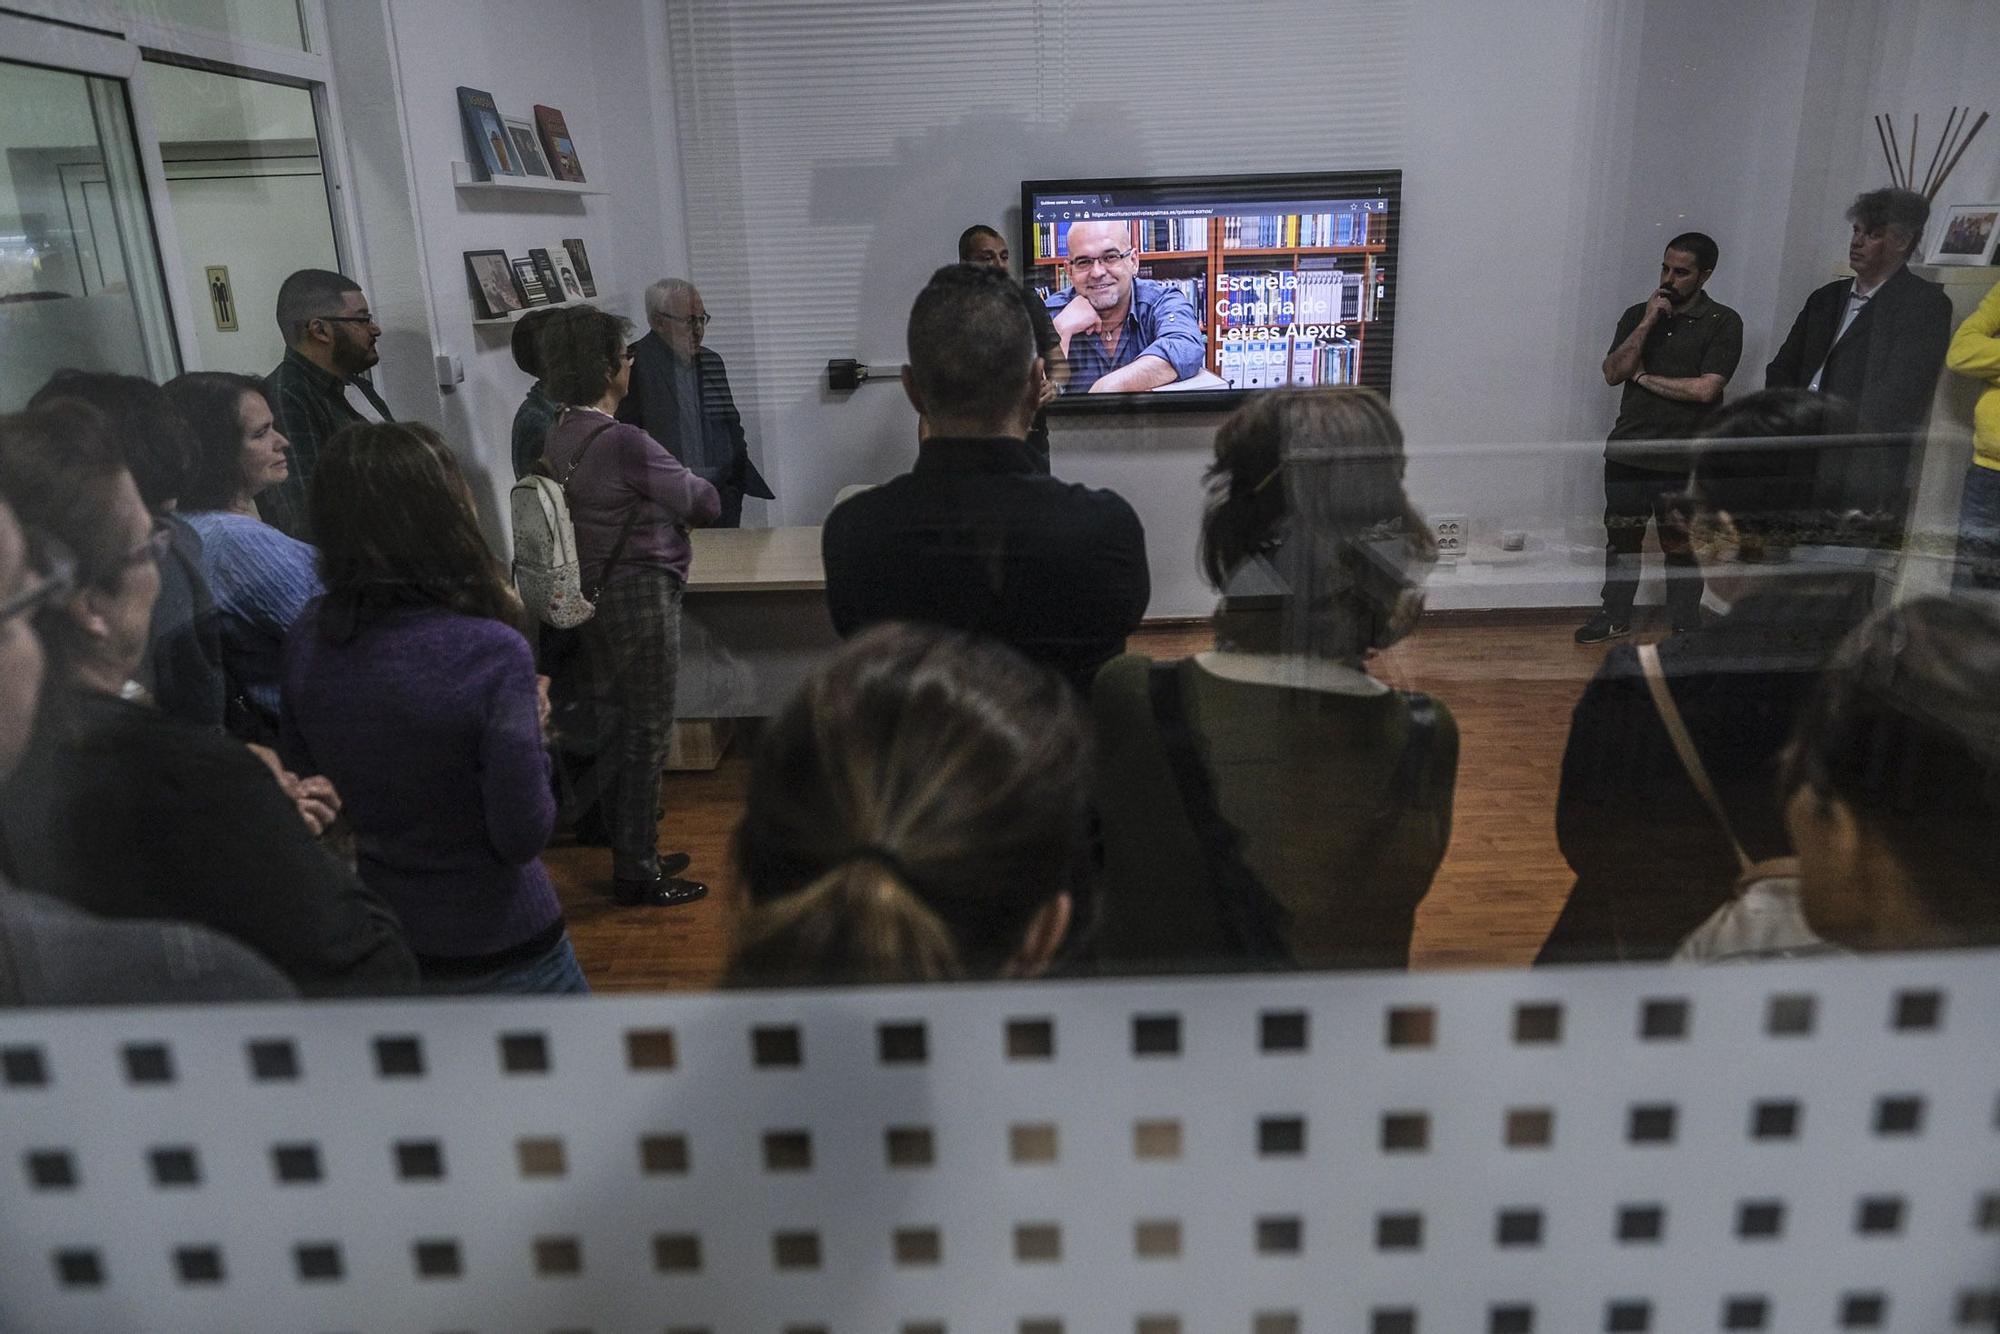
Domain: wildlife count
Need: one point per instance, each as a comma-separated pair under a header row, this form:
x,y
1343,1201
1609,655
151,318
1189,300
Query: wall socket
x,y
1453,533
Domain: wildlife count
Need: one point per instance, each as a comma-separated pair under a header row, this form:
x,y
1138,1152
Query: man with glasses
x,y
319,387
1123,334
680,396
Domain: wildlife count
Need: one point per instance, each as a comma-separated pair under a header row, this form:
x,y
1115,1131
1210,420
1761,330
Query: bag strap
x,y
1256,918
631,515
1697,772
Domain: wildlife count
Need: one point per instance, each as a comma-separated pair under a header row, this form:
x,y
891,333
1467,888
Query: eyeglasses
x,y
58,581
691,321
363,318
1085,263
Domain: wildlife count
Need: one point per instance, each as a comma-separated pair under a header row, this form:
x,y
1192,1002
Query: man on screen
x,y
1122,334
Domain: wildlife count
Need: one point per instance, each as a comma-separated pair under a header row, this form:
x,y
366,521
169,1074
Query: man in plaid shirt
x,y
319,387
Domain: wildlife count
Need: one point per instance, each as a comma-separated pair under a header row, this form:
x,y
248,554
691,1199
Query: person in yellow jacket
x,y
1975,352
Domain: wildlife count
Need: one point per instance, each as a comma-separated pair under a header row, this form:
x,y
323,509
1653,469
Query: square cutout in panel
x,y
541,1156
174,1165
419,1160
1031,1039
1641,1223
1410,1026
1760,1220
788,1151
50,1169
1276,1322
1776,1118
1863,1310
147,1063
1041,1326
922,1327
1538,1023
795,1250
1918,1012
1157,1140
1406,1132
1663,1019
1281,1136
1899,1114
904,1043
649,1049
272,1060
1156,1035
1037,1243
1157,1324
1517,1227
524,1053
663,1155
198,1266
399,1056
1630,1316
1280,1234
1745,1313
79,1267
1978,1309
1986,1213
1399,1232
1392,1320
1283,1031
1879,1215
1789,1016
910,1146
296,1164
777,1047
1032,1142
1529,1127
437,1257
318,1262
1514,1318
1650,1123
558,1257
23,1068
917,1246
1157,1239
677,1252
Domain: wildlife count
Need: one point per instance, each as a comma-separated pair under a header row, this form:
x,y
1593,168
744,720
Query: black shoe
x,y
1603,626
666,892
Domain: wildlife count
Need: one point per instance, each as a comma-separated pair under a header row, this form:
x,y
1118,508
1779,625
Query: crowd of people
x,y
276,719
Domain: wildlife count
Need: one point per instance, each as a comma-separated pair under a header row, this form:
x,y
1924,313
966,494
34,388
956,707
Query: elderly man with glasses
x,y
1122,333
680,396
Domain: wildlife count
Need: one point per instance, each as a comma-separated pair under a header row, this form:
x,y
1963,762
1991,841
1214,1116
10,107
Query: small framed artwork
x,y
530,282
527,149
1966,235
493,282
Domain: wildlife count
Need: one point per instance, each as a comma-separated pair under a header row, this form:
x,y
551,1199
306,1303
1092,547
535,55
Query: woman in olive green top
x,y
1270,803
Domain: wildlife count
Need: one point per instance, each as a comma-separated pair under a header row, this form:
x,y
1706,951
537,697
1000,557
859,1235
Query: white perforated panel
x,y
1802,1147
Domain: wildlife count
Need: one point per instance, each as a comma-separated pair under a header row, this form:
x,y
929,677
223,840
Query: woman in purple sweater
x,y
410,685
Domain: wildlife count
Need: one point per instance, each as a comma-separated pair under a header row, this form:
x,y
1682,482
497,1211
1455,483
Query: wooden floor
x,y
1510,684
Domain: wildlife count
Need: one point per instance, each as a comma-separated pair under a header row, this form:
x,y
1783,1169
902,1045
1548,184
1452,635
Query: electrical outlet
x,y
1453,533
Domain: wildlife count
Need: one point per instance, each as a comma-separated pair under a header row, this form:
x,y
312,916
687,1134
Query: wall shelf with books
x,y
601,301
468,180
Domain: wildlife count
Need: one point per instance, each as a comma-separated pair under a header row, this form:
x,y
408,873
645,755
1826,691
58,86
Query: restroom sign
x,y
221,297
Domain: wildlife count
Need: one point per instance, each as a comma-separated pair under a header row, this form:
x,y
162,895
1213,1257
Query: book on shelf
x,y
568,282
530,282
545,269
563,160
581,259
487,147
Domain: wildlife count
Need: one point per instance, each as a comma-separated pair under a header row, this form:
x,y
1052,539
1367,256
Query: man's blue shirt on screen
x,y
1160,323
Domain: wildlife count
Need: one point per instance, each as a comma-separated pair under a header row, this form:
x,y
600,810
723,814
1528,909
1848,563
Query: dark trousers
x,y
1633,495
634,643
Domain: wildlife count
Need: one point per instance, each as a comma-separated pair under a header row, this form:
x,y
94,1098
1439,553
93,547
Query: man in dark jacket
x,y
680,396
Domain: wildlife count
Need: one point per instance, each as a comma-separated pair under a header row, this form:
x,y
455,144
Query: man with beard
x,y
1122,333
319,387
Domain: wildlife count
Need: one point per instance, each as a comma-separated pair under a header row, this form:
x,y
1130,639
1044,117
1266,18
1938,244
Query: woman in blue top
x,y
261,578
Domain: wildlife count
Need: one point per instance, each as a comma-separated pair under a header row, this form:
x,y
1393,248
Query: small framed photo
x,y
1966,234
493,283
530,282
527,147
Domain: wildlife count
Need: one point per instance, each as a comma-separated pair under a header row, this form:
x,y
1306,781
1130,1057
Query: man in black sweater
x,y
975,536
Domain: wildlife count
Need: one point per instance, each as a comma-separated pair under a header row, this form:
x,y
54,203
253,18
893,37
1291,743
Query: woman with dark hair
x,y
1271,801
409,683
917,813
261,578
632,502
126,811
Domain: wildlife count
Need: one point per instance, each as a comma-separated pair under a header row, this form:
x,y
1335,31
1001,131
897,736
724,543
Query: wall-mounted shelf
x,y
603,301
468,180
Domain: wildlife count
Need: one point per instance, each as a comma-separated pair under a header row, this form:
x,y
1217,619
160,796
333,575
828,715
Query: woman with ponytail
x,y
918,813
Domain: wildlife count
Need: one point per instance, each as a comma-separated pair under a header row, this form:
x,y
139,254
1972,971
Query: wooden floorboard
x,y
1510,683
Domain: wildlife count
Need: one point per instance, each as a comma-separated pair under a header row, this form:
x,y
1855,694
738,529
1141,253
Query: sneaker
x,y
1603,626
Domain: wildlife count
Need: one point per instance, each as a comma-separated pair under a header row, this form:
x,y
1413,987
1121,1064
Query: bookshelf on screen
x,y
1292,278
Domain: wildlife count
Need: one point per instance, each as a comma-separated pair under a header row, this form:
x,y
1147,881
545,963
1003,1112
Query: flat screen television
x,y
1217,286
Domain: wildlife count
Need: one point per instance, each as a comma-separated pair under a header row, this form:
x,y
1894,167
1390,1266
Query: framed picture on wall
x,y
1966,235
527,151
493,283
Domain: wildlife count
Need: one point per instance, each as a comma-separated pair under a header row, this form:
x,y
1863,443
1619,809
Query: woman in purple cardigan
x,y
411,686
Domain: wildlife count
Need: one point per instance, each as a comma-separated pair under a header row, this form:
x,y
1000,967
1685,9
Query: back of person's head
x,y
526,339
20,647
968,240
1758,461
971,347
581,349
142,423
396,530
1894,779
1700,245
1893,208
62,476
211,403
917,812
308,295
1308,485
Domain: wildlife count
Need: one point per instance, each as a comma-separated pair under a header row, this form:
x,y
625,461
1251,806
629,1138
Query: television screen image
x,y
1190,291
